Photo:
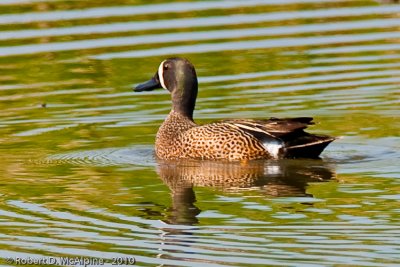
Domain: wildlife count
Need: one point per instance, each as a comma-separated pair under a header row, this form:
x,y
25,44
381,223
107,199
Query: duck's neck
x,y
184,96
183,109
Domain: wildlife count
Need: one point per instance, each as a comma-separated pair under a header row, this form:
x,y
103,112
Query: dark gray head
x,y
177,75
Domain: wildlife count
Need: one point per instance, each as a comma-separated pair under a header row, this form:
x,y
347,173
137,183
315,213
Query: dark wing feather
x,y
281,127
257,129
274,126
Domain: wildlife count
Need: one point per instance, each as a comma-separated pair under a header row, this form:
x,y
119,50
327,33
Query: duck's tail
x,y
310,147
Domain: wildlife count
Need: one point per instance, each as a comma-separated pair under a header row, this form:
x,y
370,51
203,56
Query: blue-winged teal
x,y
180,137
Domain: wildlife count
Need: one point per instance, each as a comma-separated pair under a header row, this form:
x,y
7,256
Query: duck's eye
x,y
166,66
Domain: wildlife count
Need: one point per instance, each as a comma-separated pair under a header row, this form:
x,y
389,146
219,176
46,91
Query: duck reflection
x,y
271,178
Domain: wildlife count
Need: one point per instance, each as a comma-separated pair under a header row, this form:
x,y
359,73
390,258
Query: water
x,y
78,176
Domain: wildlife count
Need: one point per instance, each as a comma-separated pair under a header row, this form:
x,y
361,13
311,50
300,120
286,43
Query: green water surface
x,y
77,173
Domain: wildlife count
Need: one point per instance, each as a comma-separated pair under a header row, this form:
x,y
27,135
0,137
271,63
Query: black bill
x,y
150,85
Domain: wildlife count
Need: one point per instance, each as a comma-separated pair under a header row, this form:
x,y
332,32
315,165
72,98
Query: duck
x,y
179,137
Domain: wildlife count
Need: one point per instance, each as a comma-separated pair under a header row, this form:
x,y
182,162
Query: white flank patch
x,y
161,75
273,149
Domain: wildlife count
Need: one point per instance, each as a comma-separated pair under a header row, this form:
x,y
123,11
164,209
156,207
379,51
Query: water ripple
x,y
202,22
245,45
134,10
137,155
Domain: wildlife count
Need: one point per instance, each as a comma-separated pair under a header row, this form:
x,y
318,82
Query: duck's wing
x,y
290,131
274,126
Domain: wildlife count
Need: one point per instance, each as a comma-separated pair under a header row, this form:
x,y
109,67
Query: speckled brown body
x,y
179,137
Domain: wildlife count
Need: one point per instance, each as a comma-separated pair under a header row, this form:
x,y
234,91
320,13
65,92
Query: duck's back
x,y
238,139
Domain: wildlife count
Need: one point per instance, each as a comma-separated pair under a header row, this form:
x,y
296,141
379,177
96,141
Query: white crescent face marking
x,y
161,74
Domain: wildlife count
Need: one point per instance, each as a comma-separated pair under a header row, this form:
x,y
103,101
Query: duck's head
x,y
177,75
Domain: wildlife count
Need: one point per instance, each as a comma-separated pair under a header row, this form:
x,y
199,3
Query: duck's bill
x,y
150,85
